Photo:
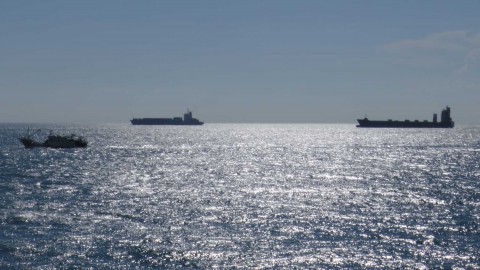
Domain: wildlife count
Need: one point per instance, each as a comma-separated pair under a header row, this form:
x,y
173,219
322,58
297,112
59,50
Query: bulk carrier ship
x,y
187,120
445,122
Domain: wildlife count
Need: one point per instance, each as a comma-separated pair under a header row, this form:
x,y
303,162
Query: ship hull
x,y
29,143
362,123
153,122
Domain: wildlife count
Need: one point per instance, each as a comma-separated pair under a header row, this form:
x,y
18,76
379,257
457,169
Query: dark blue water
x,y
242,196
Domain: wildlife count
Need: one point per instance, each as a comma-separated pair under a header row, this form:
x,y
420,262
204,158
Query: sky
x,y
249,61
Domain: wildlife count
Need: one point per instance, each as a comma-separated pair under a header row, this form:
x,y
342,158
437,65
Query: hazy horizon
x,y
238,61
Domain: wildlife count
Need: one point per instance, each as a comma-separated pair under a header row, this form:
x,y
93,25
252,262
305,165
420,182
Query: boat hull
x,y
144,122
365,123
29,143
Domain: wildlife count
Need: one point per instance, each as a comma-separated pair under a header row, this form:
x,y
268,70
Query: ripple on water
x,y
242,196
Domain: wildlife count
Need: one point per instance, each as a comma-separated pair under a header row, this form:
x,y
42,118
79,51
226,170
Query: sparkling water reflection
x,y
242,196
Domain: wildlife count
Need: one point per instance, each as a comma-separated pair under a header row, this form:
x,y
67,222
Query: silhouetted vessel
x,y
445,122
187,120
55,141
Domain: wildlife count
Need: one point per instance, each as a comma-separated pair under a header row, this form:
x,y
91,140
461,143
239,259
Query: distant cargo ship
x,y
445,122
187,120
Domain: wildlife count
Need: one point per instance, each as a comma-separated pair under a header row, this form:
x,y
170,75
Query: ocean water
x,y
241,196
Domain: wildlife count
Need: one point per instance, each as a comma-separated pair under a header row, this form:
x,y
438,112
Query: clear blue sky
x,y
238,61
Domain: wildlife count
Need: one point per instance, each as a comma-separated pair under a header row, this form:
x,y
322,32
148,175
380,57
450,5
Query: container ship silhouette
x,y
445,122
187,120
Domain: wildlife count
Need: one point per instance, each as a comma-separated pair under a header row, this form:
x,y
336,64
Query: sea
x,y
241,196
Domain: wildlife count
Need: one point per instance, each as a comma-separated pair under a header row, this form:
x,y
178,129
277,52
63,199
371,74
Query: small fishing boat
x,y
55,141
